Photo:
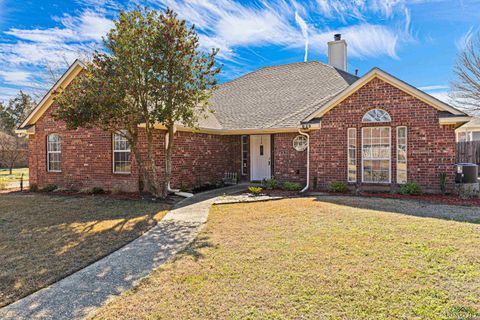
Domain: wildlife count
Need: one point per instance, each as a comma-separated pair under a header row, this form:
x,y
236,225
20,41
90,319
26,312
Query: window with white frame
x,y
121,154
352,154
401,155
376,145
54,153
376,115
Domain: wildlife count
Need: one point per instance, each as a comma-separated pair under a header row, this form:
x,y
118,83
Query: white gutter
x,y
308,159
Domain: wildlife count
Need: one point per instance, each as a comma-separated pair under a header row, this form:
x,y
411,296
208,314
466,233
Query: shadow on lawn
x,y
52,237
77,295
408,207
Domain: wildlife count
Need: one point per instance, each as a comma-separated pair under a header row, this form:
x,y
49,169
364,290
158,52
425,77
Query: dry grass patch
x,y
43,238
313,259
6,177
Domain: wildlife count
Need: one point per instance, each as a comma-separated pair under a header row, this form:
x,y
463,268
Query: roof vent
x,y
337,52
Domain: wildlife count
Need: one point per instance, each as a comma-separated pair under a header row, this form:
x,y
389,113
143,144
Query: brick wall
x,y
204,158
289,164
431,147
87,158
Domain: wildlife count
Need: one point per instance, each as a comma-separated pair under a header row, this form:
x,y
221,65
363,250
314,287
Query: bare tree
x,y
12,150
466,88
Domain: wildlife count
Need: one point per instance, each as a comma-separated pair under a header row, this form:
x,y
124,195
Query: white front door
x,y
260,152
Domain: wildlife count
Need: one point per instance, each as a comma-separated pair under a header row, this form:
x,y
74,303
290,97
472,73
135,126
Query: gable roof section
x,y
47,100
323,108
278,96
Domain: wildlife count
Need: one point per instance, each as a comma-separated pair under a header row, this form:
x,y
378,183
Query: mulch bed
x,y
433,198
448,199
171,199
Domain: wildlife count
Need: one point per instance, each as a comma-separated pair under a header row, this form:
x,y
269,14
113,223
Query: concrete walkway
x,y
81,293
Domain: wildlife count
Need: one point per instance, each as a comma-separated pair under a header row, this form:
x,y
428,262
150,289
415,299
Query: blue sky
x,y
416,41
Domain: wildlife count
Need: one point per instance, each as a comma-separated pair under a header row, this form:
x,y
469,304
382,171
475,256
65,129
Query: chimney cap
x,y
337,37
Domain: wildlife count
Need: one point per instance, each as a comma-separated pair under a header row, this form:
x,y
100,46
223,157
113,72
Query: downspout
x,y
308,159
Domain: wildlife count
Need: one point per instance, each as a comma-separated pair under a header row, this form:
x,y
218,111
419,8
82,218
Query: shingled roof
x,y
276,97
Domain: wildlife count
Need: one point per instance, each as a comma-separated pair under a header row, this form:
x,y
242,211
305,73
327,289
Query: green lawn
x,y
6,177
325,258
43,238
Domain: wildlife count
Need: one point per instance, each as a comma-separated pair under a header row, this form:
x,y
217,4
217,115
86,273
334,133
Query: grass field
x,y
325,258
43,238
6,177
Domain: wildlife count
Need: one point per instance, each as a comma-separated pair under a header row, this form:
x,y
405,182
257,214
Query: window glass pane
x,y
121,154
352,155
376,115
401,155
53,152
376,154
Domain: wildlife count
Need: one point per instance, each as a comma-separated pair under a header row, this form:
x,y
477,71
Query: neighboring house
x,y
469,131
288,122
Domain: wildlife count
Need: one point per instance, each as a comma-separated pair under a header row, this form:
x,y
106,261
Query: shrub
x,y
97,190
3,185
184,188
410,188
255,190
338,187
292,186
49,188
270,184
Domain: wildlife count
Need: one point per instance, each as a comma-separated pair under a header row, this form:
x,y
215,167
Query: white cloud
x,y
364,40
6,93
232,25
304,28
15,77
225,24
433,87
462,42
442,96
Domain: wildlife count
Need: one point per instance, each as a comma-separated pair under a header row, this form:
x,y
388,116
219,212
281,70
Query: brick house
x,y
308,122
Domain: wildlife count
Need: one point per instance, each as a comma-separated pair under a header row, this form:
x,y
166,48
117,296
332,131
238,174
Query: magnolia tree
x,y
151,73
466,87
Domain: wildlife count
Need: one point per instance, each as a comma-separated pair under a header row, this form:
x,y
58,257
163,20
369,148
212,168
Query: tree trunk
x,y
168,160
155,186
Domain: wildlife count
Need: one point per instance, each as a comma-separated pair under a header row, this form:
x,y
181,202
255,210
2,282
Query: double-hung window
x,y
121,154
54,153
376,145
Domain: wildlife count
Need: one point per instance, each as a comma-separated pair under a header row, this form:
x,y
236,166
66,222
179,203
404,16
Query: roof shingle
x,y
277,97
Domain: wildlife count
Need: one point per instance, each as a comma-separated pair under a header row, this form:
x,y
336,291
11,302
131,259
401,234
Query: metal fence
x,y
468,152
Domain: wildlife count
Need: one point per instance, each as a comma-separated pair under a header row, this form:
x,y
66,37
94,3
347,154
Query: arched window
x,y
376,115
54,153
